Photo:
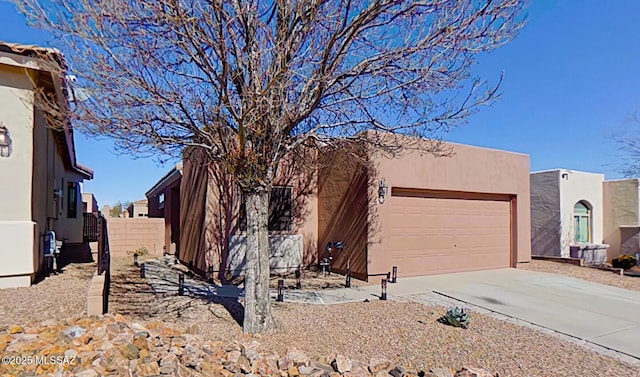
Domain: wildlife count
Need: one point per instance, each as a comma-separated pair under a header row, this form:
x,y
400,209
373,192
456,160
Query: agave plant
x,y
457,317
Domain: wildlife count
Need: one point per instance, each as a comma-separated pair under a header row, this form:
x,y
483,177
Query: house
x,y
581,215
421,214
40,164
164,202
621,201
139,208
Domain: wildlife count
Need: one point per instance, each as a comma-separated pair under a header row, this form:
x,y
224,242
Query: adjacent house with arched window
x,y
580,215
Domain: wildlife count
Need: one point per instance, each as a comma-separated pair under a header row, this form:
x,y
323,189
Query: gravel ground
x,y
584,273
56,297
406,332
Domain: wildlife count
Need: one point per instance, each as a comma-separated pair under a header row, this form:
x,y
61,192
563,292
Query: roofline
x,y
170,176
563,169
49,60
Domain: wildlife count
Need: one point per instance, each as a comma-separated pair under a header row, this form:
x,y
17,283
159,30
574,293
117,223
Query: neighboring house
x,y
138,208
622,217
425,215
566,210
164,202
89,203
42,178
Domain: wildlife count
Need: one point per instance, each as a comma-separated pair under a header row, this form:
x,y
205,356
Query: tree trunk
x,y
257,309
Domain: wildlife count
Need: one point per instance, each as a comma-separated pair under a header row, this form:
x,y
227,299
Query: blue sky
x,y
572,77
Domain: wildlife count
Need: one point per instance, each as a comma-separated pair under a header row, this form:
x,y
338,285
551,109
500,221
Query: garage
x,y
434,232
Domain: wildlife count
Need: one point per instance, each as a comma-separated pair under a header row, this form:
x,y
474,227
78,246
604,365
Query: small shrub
x,y
141,251
457,317
624,261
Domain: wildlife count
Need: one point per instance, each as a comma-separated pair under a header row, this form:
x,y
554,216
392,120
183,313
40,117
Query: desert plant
x,y
457,317
624,261
141,251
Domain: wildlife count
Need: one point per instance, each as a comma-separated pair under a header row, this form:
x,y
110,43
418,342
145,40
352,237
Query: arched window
x,y
582,222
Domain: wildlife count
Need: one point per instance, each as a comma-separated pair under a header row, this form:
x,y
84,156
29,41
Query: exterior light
x,y
328,248
135,259
280,297
5,141
382,191
394,276
383,296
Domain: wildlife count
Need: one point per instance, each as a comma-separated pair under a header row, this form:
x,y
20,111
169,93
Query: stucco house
x,y
38,164
621,200
163,201
139,208
422,214
581,215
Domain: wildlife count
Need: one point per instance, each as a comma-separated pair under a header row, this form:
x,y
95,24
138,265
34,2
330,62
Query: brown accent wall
x,y
128,234
343,214
209,204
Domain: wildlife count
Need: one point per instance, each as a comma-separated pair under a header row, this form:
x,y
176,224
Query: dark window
x,y
280,210
72,200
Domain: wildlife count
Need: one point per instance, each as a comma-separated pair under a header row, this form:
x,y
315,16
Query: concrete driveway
x,y
600,314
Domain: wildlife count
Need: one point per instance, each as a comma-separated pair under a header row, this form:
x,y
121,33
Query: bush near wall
x,y
624,261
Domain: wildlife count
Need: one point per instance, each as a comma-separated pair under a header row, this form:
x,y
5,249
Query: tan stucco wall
x,y
92,203
574,187
621,208
468,169
19,250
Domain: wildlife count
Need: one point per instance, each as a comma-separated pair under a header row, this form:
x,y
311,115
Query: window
x,y
582,222
161,201
72,200
280,210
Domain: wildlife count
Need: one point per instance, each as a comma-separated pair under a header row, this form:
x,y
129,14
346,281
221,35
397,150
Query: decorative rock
x,y
473,372
16,329
342,364
298,357
129,351
87,373
357,372
398,372
305,370
169,364
190,357
293,371
250,350
193,329
440,372
233,356
74,332
378,364
148,369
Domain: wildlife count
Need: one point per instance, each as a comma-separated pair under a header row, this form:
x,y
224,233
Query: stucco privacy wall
x,y
129,234
578,186
469,169
545,213
19,256
621,216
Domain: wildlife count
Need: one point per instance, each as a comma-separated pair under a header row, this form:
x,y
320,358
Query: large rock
x,y
398,372
473,372
298,357
342,364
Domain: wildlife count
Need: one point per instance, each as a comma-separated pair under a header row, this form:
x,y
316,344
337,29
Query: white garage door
x,y
440,235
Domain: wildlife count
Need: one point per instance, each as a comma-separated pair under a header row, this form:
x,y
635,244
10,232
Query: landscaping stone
x,y
341,364
109,345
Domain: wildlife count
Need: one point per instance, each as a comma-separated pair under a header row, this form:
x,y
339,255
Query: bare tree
x,y
251,81
627,139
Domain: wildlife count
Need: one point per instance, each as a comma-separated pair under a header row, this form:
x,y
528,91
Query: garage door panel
x,y
438,235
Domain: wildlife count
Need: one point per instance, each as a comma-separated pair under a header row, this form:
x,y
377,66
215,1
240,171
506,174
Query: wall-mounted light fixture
x,y
5,141
382,191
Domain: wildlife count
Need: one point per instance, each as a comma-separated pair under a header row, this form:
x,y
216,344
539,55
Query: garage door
x,y
439,235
